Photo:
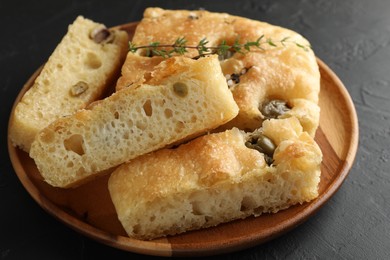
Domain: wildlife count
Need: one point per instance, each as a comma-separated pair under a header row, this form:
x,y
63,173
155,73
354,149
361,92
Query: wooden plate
x,y
89,210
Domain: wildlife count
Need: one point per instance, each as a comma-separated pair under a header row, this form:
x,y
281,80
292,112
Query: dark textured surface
x,y
352,37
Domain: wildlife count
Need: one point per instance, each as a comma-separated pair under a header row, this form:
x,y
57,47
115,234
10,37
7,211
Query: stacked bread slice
x,y
186,98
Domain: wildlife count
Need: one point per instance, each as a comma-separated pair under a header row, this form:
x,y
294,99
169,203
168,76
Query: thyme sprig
x,y
180,47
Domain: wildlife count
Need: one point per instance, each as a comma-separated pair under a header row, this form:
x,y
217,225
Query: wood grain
x,y
88,209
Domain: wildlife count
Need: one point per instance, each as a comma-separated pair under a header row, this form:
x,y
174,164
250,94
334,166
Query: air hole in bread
x,y
75,143
116,115
247,203
92,61
70,164
148,107
136,229
179,126
168,113
147,76
194,118
46,82
196,208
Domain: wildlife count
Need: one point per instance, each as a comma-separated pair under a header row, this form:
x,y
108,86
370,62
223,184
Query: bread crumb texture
x,y
78,72
187,98
214,179
203,105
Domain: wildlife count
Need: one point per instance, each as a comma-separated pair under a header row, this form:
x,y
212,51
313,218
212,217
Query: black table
x,y
352,37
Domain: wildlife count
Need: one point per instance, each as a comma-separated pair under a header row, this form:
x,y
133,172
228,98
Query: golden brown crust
x,y
203,162
216,172
137,70
286,71
217,178
214,178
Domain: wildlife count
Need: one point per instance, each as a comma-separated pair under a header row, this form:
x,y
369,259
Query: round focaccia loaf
x,y
82,66
284,68
185,98
214,179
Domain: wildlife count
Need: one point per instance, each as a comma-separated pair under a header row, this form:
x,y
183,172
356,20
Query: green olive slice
x,y
180,89
274,108
263,144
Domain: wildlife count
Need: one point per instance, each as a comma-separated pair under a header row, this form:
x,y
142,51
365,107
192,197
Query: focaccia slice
x,y
214,179
185,98
283,70
82,67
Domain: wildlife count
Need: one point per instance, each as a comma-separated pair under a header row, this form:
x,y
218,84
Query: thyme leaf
x,y
180,47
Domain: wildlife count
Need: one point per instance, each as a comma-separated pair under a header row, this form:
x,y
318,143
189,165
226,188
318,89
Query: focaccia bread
x,y
184,98
137,70
215,178
82,66
283,70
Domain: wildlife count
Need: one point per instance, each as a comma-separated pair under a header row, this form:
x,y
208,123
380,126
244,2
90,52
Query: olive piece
x,y
268,159
101,35
78,88
226,55
180,89
274,108
235,77
266,145
193,17
262,144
